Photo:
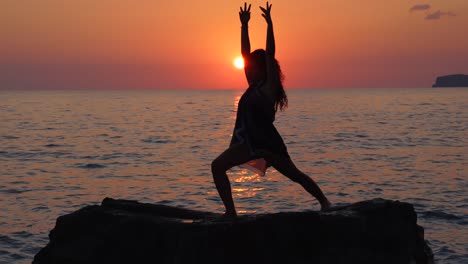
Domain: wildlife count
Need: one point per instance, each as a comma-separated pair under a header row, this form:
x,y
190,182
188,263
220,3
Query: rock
x,y
455,80
122,231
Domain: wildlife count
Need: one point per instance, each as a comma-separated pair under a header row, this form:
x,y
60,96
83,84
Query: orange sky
x,y
191,44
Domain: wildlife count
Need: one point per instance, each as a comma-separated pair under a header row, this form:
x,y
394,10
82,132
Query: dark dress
x,y
254,127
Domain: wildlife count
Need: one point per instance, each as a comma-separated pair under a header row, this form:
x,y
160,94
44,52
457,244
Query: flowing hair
x,y
281,100
259,56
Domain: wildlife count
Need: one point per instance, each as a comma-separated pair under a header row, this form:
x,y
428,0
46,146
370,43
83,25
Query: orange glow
x,y
166,44
239,63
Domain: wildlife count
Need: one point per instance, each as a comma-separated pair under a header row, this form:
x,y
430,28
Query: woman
x,y
255,140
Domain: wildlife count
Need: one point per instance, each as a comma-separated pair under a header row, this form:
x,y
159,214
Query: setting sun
x,y
239,63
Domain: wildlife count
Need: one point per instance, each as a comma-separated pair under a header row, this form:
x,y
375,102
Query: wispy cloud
x,y
421,7
430,15
438,15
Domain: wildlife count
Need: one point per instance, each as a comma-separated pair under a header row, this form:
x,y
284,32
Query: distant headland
x,y
454,80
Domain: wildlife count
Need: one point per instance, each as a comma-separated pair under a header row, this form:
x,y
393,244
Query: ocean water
x,y
62,150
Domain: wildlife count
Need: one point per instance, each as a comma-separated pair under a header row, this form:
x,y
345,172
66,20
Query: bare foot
x,y
231,215
326,205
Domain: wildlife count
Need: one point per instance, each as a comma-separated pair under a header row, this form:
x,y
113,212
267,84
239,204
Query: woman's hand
x,y
266,13
244,14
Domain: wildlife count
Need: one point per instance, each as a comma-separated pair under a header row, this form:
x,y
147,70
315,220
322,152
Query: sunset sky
x,y
123,44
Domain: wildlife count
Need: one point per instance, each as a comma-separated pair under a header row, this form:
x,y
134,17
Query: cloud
x,y
420,7
438,15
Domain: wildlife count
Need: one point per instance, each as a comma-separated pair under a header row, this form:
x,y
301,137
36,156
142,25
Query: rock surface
x,y
122,231
455,80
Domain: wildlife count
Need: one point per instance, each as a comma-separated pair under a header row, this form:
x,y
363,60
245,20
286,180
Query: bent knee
x,y
217,166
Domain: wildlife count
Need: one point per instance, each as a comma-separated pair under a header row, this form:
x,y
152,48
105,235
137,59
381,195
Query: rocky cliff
x,y
455,80
121,231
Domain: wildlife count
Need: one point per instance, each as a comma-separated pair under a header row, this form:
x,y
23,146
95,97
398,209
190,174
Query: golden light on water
x,y
239,63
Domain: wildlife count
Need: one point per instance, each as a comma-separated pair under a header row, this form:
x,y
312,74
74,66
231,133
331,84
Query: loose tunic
x,y
254,127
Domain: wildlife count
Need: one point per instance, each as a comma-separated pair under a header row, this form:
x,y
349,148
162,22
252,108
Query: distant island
x,y
454,80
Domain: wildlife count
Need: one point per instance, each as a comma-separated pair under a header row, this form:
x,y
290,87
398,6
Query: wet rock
x,y
122,231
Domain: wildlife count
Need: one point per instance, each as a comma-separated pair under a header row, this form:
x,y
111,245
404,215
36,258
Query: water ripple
x,y
63,151
90,166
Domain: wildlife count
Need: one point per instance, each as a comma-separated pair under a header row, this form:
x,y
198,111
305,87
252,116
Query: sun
x,y
239,63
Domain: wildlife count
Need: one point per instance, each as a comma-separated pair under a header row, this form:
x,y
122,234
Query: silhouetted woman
x,y
255,140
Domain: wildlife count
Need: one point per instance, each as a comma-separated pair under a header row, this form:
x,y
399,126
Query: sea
x,y
63,150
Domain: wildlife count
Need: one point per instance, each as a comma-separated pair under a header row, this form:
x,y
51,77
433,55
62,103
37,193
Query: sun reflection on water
x,y
248,176
245,192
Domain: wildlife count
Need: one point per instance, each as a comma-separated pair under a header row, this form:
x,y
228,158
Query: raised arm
x,y
244,16
270,41
273,78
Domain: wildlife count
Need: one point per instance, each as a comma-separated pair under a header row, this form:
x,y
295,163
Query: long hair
x,y
259,57
281,100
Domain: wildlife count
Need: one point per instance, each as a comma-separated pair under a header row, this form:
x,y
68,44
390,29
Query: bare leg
x,y
286,167
231,157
